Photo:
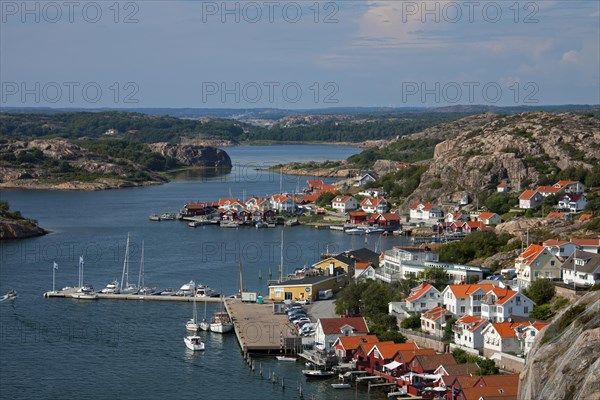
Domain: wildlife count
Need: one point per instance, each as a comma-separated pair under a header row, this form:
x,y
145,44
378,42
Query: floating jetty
x,y
66,293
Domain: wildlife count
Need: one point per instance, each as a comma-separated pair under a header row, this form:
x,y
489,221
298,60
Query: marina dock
x,y
153,297
259,330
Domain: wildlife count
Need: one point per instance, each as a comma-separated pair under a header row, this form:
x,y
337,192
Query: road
x,y
321,309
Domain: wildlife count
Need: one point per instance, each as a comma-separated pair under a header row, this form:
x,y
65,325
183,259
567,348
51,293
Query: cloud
x,y
571,56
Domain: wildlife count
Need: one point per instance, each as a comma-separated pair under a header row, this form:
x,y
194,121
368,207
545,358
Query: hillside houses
x,y
570,196
581,268
328,330
344,203
536,262
425,211
375,205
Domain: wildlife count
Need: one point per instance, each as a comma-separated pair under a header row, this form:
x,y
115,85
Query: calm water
x,y
58,348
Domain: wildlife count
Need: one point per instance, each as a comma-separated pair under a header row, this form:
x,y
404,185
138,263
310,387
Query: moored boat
x,y
287,358
9,295
317,373
111,288
154,217
168,217
186,289
229,224
86,292
194,343
355,231
221,323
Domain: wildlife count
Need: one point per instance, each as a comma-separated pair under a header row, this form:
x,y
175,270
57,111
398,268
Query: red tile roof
x,y
585,217
389,350
407,355
548,189
478,393
352,342
498,380
341,199
372,201
531,253
426,206
554,242
564,183
435,313
471,322
586,242
334,325
555,214
417,292
486,215
502,294
388,216
502,185
432,362
464,291
527,195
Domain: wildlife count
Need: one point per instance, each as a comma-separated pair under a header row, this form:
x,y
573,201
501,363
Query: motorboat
x,y
194,343
9,295
154,217
168,292
317,373
271,225
187,289
374,230
204,291
286,358
229,224
261,224
341,385
168,217
221,323
111,288
86,292
355,231
292,222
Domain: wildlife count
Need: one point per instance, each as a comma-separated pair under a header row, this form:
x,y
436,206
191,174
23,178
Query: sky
x,y
298,54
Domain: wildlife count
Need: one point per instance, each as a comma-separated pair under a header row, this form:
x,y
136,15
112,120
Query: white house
x,y
425,211
499,304
375,205
530,199
422,298
455,217
574,202
365,178
328,330
559,248
468,331
589,245
283,203
570,186
231,204
465,299
372,192
582,268
344,203
489,218
502,188
433,320
536,262
502,336
364,271
528,333
257,204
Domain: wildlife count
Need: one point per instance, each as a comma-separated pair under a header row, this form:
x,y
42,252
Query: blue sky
x,y
299,54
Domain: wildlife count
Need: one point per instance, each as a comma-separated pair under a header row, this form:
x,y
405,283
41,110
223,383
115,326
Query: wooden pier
x,y
153,297
259,330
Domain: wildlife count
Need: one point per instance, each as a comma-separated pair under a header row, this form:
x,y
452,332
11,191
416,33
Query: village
x,y
465,337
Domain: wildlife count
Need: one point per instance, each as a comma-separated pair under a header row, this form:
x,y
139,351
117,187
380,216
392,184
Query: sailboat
x,y
143,289
221,323
84,292
192,324
126,287
204,325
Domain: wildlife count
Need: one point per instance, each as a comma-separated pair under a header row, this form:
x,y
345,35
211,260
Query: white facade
x,y
582,269
325,340
422,298
467,302
468,332
560,249
573,202
503,338
497,309
425,211
344,203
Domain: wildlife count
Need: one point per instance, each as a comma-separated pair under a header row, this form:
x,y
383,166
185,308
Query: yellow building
x,y
306,288
332,263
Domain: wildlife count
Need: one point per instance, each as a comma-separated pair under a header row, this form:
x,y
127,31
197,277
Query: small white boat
x,y
168,217
286,358
261,224
221,323
229,224
9,295
111,288
341,385
168,292
86,292
271,225
194,343
371,231
317,373
355,231
130,289
154,217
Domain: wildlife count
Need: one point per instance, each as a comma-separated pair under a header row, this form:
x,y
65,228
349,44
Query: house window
x,y
526,310
462,309
579,261
423,305
477,309
549,275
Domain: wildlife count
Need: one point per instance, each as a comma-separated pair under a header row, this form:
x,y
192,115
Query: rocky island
x,y
62,164
15,226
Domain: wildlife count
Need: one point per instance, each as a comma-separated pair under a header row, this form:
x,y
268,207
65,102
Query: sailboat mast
x,y
141,276
80,271
241,278
281,259
125,274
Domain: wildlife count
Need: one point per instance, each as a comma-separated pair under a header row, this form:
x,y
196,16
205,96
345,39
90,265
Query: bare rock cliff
x,y
566,366
193,155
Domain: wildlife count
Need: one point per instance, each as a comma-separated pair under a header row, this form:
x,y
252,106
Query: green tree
x,y
448,334
437,276
412,322
543,312
325,199
541,291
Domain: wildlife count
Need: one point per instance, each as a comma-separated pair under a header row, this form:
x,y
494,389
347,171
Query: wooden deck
x,y
259,330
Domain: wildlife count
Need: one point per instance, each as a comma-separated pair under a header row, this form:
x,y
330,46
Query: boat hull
x,y
85,296
317,374
221,328
194,343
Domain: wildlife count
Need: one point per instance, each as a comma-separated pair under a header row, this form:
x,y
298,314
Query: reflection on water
x,y
196,174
